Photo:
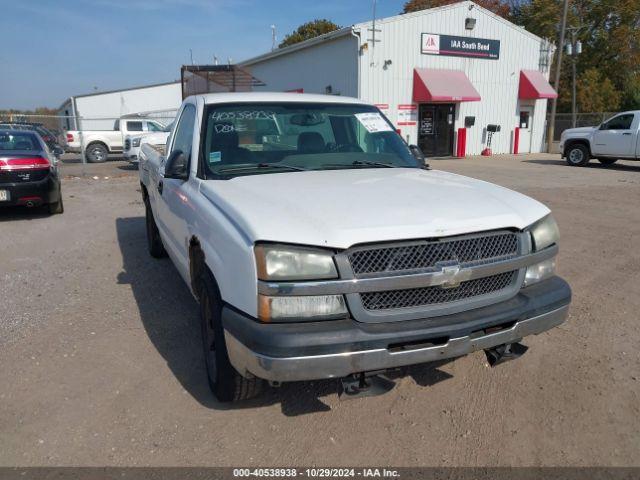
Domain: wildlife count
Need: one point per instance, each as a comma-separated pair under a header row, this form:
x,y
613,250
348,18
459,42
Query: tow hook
x,y
504,353
363,385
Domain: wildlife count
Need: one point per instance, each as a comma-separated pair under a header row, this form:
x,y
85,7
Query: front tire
x,y
224,380
96,153
154,242
607,161
577,155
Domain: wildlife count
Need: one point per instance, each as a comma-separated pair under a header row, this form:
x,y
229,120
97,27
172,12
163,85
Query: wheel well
x,y
571,143
197,264
98,142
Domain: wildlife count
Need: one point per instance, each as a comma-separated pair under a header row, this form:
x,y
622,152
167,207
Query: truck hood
x,y
579,131
341,208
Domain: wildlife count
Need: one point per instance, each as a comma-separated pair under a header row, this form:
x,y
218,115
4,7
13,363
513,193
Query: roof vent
x,y
470,23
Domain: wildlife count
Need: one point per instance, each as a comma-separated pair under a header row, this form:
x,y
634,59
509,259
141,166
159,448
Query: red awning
x,y
533,86
430,85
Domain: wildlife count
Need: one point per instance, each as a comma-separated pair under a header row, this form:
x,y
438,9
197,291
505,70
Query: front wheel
x,y
577,155
224,380
154,242
607,161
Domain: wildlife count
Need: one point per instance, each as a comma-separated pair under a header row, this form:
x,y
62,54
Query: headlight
x,y
135,142
301,308
544,233
281,262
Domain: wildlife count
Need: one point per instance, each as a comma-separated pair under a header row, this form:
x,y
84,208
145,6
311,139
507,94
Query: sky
x,y
54,49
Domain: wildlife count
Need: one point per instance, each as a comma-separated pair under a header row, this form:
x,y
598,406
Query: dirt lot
x,y
101,363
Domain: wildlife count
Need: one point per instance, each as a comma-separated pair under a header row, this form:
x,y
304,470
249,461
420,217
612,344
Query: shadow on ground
x,y
622,167
75,158
15,214
169,315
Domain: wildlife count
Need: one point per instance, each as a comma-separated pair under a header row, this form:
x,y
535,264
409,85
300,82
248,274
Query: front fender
x,y
228,254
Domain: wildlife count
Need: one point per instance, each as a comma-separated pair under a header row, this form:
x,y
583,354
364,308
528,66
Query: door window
x,y
525,117
154,127
621,122
134,126
183,136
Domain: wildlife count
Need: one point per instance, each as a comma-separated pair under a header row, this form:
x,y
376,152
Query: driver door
x,y
174,200
615,138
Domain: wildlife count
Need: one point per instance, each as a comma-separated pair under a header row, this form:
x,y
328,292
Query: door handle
x,y
160,185
627,133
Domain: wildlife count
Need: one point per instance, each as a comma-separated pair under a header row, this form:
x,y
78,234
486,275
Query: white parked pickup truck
x,y
132,143
100,143
319,246
613,140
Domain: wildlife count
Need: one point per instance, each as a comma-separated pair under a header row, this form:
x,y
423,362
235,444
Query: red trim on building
x,y
534,86
431,85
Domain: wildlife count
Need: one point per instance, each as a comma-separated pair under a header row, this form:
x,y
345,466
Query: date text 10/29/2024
x,y
315,473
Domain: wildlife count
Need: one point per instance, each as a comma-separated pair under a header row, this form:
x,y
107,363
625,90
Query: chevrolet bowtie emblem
x,y
451,276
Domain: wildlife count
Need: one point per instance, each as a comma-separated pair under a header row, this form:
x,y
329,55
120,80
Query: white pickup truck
x,y
100,143
613,140
319,246
132,143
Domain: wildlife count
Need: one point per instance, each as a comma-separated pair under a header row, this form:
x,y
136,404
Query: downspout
x,y
356,34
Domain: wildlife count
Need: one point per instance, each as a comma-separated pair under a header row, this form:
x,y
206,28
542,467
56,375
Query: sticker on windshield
x,y
215,157
373,122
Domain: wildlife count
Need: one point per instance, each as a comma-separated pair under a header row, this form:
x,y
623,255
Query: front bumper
x,y
334,349
131,155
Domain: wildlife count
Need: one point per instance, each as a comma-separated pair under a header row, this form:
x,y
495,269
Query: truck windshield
x,y
251,139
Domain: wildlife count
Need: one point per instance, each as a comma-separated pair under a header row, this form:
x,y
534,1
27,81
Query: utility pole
x,y
273,37
574,48
373,38
556,83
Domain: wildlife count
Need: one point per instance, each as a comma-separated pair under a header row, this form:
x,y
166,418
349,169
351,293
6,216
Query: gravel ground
x,y
101,361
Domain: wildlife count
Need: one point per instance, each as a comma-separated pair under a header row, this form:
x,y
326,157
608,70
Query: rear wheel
x,y
57,207
96,153
607,161
154,242
224,380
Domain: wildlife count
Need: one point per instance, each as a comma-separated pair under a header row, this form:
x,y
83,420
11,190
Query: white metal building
x,y
442,76
97,111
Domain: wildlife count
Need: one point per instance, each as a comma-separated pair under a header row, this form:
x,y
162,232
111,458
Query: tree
x,y
609,32
499,7
309,30
597,94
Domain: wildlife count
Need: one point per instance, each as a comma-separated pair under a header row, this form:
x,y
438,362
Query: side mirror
x,y
57,151
602,126
176,166
417,154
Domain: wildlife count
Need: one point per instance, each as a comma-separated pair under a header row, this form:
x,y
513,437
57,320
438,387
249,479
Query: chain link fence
x,y
76,134
565,121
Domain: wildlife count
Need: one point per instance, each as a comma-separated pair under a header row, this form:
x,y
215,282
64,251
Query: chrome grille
x,y
466,251
427,296
127,144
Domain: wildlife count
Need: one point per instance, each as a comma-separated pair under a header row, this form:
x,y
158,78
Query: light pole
x,y
573,49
